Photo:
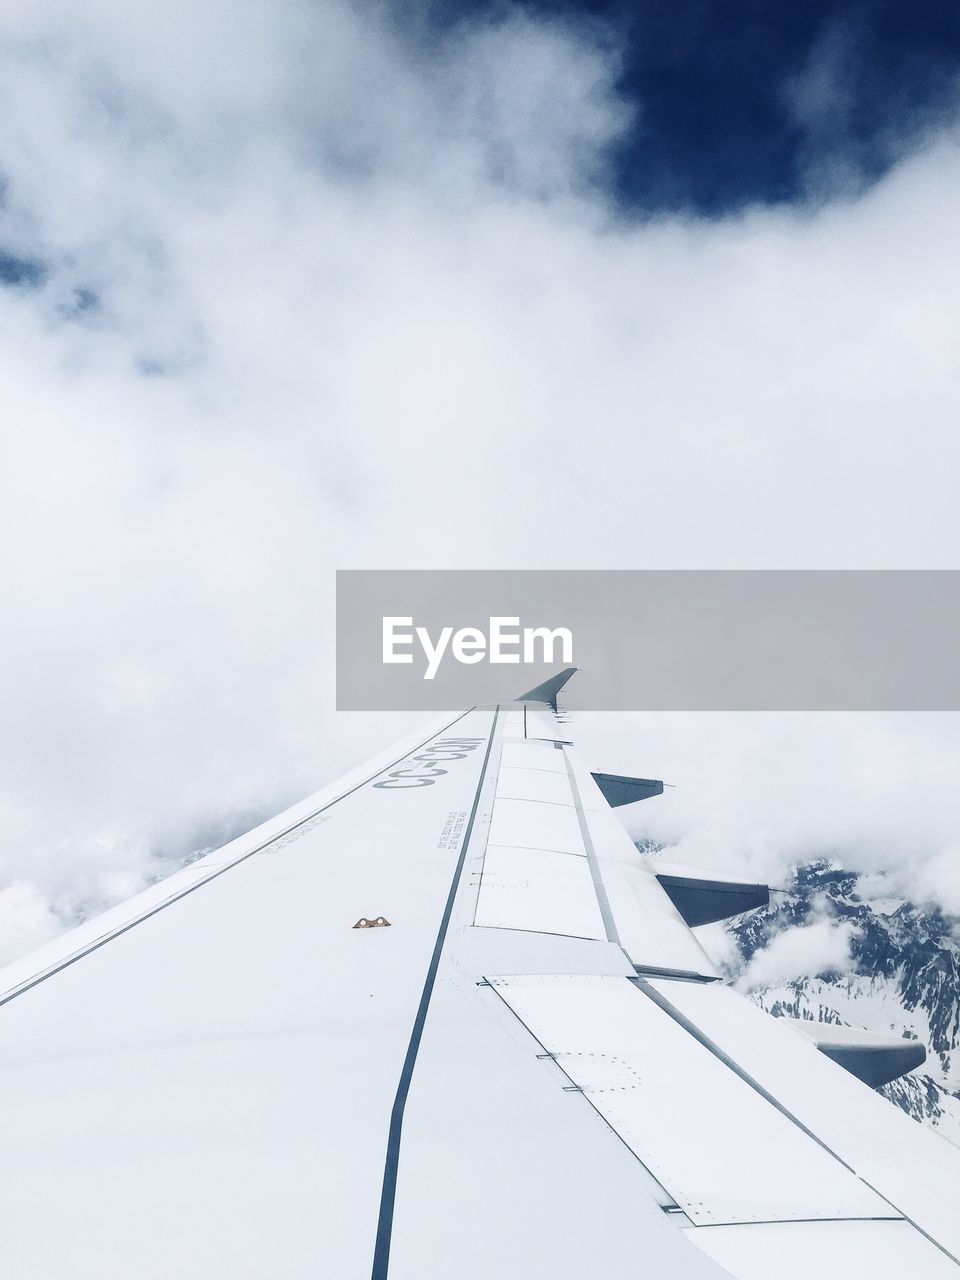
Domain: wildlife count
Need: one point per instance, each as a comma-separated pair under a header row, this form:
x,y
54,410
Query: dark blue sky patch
x,y
763,101
20,272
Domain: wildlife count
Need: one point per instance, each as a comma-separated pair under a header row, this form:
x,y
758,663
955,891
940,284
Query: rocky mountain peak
x,y
903,975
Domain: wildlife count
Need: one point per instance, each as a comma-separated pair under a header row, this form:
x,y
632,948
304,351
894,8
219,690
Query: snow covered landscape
x,y
901,973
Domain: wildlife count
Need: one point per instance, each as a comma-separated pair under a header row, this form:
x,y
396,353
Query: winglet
x,y
547,692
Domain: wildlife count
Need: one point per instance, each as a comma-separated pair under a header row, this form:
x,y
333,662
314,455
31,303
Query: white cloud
x,y
758,794
938,878
363,303
810,950
26,920
720,945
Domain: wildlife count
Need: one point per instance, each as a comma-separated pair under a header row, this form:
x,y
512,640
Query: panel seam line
x,y
388,1193
599,888
711,1046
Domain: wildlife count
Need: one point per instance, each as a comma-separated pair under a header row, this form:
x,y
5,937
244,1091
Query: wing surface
x,y
532,1070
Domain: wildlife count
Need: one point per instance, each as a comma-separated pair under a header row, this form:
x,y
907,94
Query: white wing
x,y
530,1071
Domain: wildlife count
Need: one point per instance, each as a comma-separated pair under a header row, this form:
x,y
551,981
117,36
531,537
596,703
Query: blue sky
x,y
742,101
727,103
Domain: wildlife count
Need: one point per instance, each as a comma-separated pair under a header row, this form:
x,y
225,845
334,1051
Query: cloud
x,y
756,795
317,293
809,950
25,919
720,945
938,878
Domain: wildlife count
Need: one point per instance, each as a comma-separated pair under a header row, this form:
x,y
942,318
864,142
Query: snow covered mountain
x,y
902,974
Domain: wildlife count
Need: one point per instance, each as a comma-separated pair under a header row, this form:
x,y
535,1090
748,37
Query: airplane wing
x,y
442,1021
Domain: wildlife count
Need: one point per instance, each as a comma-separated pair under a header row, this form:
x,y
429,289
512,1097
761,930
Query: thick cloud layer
x,y
758,794
290,290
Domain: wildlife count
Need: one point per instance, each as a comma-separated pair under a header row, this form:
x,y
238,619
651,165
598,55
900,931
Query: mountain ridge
x,y
901,974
